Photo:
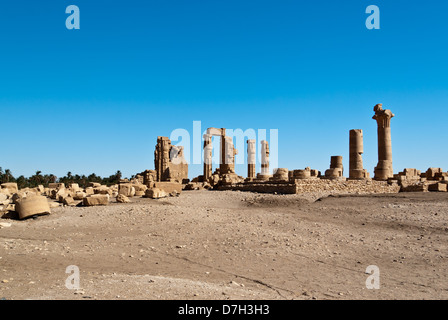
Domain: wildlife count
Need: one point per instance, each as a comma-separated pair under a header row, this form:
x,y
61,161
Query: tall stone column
x,y
208,147
384,169
264,158
223,166
356,170
251,157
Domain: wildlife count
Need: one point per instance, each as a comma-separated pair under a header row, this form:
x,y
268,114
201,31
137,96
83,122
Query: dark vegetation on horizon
x,y
39,179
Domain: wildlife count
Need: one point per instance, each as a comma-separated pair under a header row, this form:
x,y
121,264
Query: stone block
x,y
438,187
11,186
155,193
140,189
122,199
102,190
31,206
169,187
126,189
74,187
96,200
68,201
56,186
431,173
89,191
94,184
79,195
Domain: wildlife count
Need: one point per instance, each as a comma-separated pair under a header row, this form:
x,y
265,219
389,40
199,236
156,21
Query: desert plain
x,y
232,245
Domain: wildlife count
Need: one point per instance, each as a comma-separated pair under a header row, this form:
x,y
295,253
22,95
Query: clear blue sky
x,y
95,99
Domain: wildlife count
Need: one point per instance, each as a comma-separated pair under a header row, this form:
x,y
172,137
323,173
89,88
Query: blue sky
x,y
95,99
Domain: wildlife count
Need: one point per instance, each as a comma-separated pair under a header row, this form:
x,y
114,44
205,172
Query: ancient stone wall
x,y
327,186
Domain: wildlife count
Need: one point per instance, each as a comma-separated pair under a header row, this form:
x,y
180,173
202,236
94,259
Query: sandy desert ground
x,y
233,245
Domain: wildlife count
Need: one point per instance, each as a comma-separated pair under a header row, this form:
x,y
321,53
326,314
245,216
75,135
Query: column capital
x,y
382,116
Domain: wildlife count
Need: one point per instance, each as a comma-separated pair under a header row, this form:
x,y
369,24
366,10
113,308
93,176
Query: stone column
x,y
384,169
208,147
336,170
222,165
336,163
162,158
356,169
251,159
264,158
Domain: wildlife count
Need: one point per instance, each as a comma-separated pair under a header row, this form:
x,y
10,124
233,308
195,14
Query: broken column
x,y
384,169
356,170
336,170
281,174
251,159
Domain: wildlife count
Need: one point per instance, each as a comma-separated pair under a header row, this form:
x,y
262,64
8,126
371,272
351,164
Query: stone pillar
x,y
264,158
251,159
384,169
356,170
162,158
208,147
222,165
336,163
336,170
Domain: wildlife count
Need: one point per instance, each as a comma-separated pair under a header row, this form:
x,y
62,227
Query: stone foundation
x,y
316,185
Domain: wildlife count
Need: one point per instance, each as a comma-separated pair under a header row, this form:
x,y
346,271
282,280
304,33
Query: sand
x,y
233,245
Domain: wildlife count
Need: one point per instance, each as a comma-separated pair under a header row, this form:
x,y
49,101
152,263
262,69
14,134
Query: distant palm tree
x,y
8,175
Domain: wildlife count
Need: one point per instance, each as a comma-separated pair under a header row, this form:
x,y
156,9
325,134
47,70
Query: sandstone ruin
x,y
169,162
307,180
170,175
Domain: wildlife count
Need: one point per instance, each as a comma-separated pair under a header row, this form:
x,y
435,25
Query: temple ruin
x,y
170,175
284,180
